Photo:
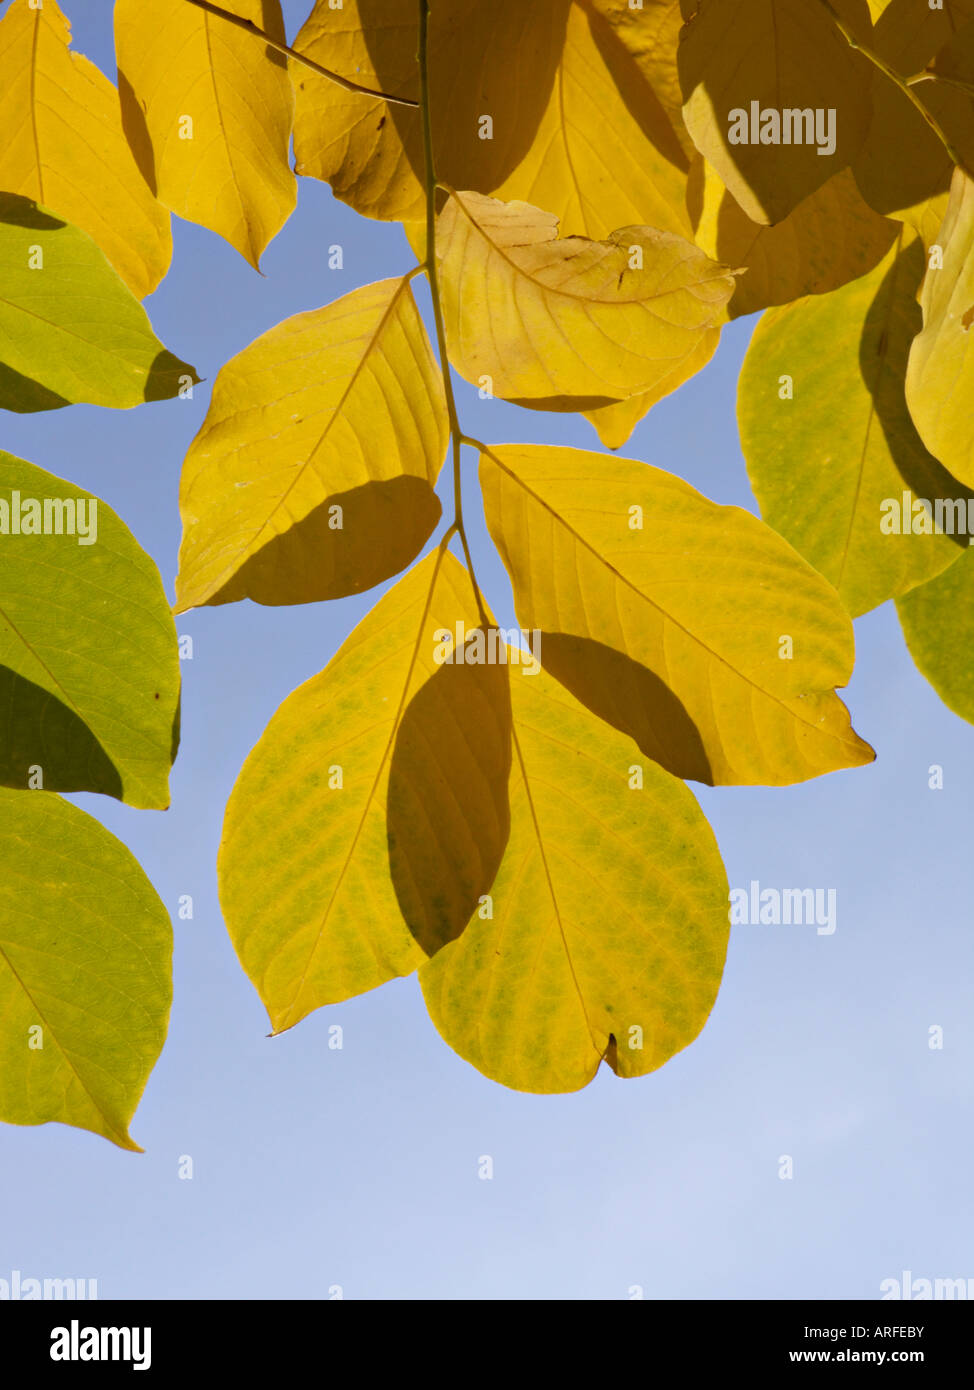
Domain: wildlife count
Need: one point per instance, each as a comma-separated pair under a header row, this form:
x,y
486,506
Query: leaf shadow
x,y
920,471
18,211
166,376
39,730
447,808
137,132
631,698
385,525
462,152
23,396
641,101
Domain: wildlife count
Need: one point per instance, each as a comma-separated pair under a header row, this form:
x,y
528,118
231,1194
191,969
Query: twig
x,y
899,80
456,434
251,28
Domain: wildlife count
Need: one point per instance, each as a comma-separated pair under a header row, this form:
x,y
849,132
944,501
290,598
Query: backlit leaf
x,y
830,238
609,916
667,615
64,146
830,466
940,375
772,60
85,970
372,814
651,34
207,110
569,324
938,624
902,168
576,124
70,330
89,666
605,154
313,473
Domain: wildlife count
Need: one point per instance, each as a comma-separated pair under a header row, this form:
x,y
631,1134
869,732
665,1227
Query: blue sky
x,y
359,1168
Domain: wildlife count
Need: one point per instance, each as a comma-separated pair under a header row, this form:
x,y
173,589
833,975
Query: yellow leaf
x,y
313,473
207,110
754,74
940,374
541,102
569,324
902,168
63,145
605,155
651,34
830,238
830,463
615,423
372,814
609,918
667,616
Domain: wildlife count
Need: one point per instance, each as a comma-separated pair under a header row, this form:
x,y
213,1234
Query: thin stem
x,y
429,265
895,77
957,82
250,28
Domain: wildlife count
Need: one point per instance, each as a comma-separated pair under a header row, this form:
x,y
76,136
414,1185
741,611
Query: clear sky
x,y
359,1168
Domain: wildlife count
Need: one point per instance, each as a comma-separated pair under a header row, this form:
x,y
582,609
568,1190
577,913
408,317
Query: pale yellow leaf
x,y
831,237
940,374
668,620
569,323
372,814
207,109
608,918
313,473
63,145
575,123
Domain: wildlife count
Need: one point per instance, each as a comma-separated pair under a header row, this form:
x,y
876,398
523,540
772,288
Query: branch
x,y
901,82
456,434
250,28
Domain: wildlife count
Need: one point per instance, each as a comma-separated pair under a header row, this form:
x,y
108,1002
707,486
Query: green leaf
x,y
70,330
372,814
313,473
85,958
938,624
89,664
694,628
940,374
827,463
606,930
